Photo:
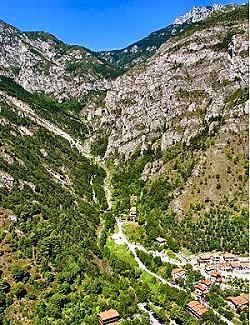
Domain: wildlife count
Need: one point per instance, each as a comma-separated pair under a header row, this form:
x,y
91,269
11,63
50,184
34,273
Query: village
x,y
216,268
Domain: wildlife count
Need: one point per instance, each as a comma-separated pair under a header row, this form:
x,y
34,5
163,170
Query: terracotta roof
x,y
210,267
215,274
200,286
239,300
197,307
205,256
206,282
235,264
177,270
108,314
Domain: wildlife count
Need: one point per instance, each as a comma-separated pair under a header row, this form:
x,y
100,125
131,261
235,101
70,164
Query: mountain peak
x,y
197,14
4,26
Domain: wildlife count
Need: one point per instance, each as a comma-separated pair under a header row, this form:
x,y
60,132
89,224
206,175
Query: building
x,y
204,258
244,265
216,258
228,257
209,267
196,309
160,240
225,267
240,302
215,277
133,213
236,265
206,282
108,317
178,274
200,289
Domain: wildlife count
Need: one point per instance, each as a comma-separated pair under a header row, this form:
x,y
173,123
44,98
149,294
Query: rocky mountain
x,y
170,102
198,14
80,148
40,62
139,51
168,99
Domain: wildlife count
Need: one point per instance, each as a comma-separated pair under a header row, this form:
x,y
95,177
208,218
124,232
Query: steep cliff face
x,y
195,83
40,62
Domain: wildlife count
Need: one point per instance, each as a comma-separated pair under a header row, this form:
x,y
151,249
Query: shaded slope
x,y
40,62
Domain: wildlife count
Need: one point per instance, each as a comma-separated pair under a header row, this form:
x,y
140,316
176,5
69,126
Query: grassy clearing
x,y
135,232
121,253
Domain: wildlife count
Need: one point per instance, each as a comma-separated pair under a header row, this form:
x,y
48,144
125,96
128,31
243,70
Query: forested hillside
x,y
97,171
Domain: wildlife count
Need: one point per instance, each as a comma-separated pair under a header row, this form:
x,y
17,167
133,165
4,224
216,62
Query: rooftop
x,y
205,256
201,287
215,274
108,314
197,307
206,282
239,300
177,270
235,264
229,255
161,240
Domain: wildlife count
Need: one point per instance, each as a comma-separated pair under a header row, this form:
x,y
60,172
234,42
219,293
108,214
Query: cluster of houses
x,y
196,308
201,289
212,264
226,262
215,277
239,303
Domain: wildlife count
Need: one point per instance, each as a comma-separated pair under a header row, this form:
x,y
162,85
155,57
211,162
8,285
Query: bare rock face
x,y
197,14
152,169
40,62
193,82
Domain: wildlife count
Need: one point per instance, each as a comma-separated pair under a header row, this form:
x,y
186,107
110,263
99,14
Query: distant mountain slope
x,y
141,50
191,96
40,62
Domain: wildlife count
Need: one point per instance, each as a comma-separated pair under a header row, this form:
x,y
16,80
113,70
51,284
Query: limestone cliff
x,y
40,62
196,82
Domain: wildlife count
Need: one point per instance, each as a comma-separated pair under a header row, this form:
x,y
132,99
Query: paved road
x,y
163,257
153,321
132,249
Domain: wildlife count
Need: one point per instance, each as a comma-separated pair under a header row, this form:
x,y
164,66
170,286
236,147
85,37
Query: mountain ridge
x,y
96,171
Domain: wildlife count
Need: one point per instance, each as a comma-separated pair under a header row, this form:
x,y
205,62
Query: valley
x,y
124,184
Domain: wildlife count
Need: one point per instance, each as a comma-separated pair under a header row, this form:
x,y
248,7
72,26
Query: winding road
x,y
27,111
132,249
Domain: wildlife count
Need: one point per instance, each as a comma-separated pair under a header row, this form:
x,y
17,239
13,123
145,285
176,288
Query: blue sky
x,y
97,24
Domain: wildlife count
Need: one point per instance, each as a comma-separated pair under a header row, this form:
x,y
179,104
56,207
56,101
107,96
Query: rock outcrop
x,y
196,82
40,62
